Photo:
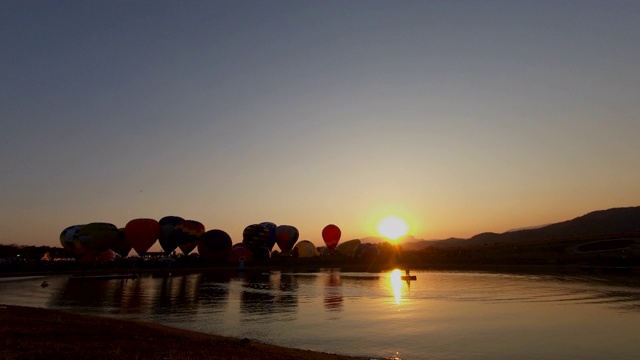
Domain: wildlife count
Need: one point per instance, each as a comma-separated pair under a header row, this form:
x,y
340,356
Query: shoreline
x,y
36,333
500,268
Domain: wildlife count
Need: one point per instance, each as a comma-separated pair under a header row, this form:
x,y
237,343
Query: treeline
x,y
30,252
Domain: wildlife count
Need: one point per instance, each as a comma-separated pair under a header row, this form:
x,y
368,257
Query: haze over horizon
x,y
458,117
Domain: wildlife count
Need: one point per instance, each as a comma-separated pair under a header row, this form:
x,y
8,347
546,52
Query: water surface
x,y
442,315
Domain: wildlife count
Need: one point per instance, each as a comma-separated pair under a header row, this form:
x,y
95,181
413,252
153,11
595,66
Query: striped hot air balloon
x,y
187,233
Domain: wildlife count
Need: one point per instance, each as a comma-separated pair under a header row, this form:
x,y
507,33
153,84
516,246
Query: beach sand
x,y
36,333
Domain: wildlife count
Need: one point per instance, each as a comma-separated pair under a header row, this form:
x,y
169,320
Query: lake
x,y
441,315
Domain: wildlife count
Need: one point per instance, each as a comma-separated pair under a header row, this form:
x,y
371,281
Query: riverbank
x,y
36,333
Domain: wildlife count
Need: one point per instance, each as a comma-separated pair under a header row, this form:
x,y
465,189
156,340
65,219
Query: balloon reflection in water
x,y
396,284
268,294
333,292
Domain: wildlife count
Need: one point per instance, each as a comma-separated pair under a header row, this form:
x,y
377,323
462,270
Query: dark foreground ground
x,y
35,333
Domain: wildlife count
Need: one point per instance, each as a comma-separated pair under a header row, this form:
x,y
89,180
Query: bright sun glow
x,y
392,227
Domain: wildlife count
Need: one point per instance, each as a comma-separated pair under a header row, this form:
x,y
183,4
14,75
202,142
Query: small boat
x,y
408,277
103,277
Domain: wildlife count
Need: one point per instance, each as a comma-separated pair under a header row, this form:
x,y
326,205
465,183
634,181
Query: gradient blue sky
x,y
458,116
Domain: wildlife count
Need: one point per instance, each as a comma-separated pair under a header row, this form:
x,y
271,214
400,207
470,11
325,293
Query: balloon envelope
x,y
87,258
305,249
239,253
70,240
214,245
367,252
331,236
106,257
142,234
272,233
167,224
122,246
348,248
256,236
261,253
98,237
187,233
286,237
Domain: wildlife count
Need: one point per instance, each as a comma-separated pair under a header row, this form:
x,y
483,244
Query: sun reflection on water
x,y
396,284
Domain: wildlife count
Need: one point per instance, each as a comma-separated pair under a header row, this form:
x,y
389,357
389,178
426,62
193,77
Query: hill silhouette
x,y
615,222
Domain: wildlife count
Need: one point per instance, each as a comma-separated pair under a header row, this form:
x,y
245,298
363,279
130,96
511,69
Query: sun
x,y
392,227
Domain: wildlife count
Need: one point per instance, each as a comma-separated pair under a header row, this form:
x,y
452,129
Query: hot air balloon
x,y
255,236
168,242
305,249
122,246
367,252
286,237
272,233
238,253
70,240
98,237
261,253
141,234
187,233
88,258
214,245
331,236
106,257
348,248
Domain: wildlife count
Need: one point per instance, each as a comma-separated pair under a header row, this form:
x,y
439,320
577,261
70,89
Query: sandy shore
x,y
36,333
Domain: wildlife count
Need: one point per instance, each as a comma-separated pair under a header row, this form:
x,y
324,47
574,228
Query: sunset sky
x,y
459,117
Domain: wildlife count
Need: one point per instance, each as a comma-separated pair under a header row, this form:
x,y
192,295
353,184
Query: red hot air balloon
x,y
214,245
141,234
286,237
240,253
331,236
187,233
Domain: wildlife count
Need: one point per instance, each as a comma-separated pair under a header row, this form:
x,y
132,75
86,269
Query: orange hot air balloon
x,y
331,236
141,234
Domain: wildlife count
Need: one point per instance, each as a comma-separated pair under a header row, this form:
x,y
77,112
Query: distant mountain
x,y
602,222
408,242
423,244
528,228
597,223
